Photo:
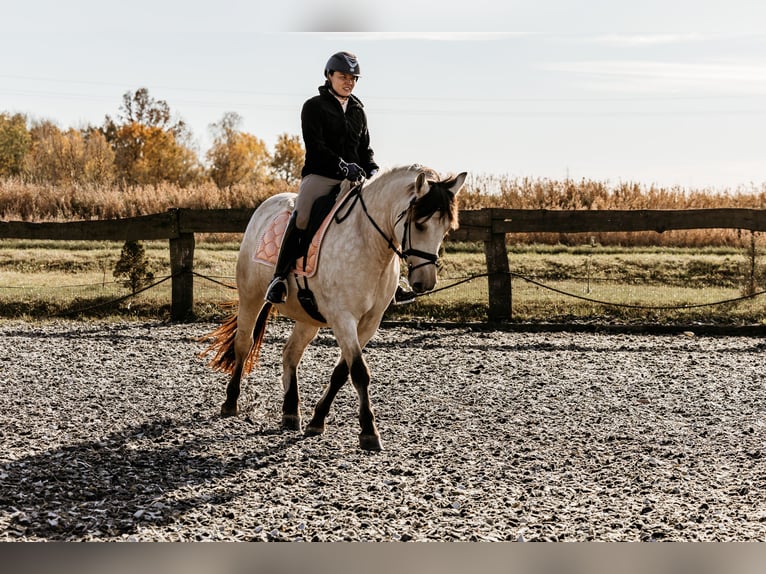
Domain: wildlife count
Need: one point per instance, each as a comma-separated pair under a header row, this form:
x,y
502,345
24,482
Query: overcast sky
x,y
655,92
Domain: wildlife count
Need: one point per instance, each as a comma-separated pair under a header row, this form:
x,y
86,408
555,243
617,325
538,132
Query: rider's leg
x,y
288,253
312,186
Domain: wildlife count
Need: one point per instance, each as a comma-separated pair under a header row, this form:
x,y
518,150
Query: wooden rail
x,y
489,226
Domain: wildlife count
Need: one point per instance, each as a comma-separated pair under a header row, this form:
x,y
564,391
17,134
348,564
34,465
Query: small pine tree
x,y
133,266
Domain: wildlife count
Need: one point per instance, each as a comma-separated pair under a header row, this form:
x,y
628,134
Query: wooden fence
x,y
489,226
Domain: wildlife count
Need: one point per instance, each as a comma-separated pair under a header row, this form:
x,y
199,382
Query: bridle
x,y
430,258
409,214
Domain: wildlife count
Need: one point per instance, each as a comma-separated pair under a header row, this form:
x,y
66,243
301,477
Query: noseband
x,y
404,254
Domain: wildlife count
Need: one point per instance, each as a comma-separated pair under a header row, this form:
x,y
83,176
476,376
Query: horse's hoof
x,y
229,411
370,442
313,430
291,422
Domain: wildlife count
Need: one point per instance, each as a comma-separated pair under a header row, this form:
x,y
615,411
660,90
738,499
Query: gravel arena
x,y
111,432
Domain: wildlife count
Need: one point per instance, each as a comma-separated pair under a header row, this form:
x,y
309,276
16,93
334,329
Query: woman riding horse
x,y
401,215
337,147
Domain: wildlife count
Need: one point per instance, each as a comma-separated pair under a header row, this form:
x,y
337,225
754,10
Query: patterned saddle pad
x,y
267,249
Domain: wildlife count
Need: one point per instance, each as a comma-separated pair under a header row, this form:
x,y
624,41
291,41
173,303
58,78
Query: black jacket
x,y
330,135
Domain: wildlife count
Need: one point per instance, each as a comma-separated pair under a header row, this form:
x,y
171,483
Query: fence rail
x,y
489,226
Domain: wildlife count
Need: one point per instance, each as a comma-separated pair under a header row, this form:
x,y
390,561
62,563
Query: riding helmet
x,y
344,62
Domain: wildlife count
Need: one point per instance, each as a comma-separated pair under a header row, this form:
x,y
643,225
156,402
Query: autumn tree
x,y
236,156
149,145
73,156
15,142
287,162
98,161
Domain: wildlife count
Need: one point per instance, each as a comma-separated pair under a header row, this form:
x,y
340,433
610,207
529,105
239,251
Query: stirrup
x,y
277,291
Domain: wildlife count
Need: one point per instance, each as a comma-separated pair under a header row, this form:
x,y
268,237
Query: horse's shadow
x,y
145,474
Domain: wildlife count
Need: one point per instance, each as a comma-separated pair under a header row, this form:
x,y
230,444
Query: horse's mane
x,y
438,199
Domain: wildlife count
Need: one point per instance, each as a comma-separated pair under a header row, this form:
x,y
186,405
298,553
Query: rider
x,y
337,147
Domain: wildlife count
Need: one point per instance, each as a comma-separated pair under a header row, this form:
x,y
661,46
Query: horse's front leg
x,y
337,380
352,340
369,438
296,344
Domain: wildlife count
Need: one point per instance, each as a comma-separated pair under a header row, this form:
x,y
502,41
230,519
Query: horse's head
x,y
432,213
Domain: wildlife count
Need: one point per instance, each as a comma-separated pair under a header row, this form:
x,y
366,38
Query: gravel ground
x,y
111,432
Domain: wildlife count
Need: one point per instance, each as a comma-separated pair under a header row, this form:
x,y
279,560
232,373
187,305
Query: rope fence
x,y
505,296
228,283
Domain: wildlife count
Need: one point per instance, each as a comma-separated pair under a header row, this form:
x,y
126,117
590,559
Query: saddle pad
x,y
267,250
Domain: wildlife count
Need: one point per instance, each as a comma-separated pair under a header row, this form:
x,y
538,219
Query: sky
x,y
668,93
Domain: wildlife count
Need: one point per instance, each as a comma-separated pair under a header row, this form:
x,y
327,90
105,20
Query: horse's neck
x,y
386,201
357,237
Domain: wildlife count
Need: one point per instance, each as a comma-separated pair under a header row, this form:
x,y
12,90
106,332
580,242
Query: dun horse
x,y
404,214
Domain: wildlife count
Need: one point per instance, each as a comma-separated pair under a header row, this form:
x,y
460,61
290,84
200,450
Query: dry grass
x,y
44,202
525,193
40,202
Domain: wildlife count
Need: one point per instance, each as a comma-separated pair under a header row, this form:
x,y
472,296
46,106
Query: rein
x,y
431,258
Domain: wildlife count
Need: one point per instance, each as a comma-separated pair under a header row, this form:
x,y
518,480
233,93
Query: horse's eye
x,y
420,225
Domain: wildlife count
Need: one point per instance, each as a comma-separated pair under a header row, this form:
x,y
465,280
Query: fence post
x,y
499,279
182,267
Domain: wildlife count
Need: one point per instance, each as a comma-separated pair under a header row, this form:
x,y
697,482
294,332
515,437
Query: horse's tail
x,y
223,338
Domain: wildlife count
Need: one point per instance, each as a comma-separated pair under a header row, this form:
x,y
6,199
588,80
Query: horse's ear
x,y
421,184
457,183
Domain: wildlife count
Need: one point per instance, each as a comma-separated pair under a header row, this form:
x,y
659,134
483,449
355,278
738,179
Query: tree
x,y
98,164
72,156
140,108
147,155
15,142
235,156
133,266
287,162
149,147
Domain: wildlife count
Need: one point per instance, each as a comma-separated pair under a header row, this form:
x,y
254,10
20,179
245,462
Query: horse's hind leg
x,y
230,407
243,343
302,335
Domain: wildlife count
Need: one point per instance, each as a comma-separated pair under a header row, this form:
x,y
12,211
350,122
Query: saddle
x,y
268,245
322,212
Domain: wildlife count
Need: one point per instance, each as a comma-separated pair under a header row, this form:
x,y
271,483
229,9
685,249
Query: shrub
x,y
133,266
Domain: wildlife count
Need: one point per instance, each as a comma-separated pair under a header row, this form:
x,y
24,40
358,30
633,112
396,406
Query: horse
x,y
399,214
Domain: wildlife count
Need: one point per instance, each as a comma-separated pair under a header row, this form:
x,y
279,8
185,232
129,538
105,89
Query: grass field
x,y
549,283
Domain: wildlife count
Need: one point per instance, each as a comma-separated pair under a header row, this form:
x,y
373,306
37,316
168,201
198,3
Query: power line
x,y
426,99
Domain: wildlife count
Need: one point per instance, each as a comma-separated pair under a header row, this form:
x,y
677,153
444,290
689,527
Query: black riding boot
x,y
403,296
288,253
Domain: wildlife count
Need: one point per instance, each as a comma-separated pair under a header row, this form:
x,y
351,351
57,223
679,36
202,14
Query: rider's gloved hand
x,y
351,171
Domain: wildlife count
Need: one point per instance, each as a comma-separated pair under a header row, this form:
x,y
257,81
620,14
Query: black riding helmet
x,y
344,62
